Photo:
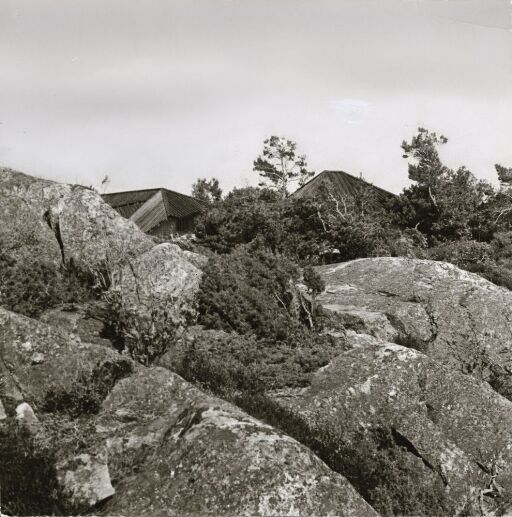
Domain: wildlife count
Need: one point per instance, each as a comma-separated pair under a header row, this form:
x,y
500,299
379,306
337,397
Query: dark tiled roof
x,y
149,209
341,183
127,203
180,205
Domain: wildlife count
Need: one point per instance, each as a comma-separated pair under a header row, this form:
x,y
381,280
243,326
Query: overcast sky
x,y
161,92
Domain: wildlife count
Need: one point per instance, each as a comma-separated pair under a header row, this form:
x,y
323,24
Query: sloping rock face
x,y
85,320
72,220
150,443
455,427
209,458
164,276
39,361
23,234
455,317
47,375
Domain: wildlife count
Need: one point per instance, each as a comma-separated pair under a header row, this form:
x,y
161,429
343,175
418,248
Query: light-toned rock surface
x,y
455,317
67,364
69,221
84,321
3,414
163,276
85,479
210,458
25,414
162,445
457,426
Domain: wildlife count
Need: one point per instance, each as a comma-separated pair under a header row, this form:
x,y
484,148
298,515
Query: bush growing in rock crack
x,y
34,286
145,334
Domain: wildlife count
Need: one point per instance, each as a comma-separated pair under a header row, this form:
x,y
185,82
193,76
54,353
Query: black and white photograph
x,y
256,258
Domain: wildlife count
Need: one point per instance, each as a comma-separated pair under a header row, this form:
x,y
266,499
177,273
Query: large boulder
x,y
142,441
40,363
23,234
72,219
207,457
51,378
163,277
455,428
455,317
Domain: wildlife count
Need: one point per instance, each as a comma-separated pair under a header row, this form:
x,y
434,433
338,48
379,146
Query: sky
x,y
161,92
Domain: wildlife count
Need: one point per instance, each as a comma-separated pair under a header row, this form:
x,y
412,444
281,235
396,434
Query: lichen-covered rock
x,y
458,428
83,320
207,457
162,276
156,291
84,479
67,366
23,233
144,442
26,415
455,317
73,220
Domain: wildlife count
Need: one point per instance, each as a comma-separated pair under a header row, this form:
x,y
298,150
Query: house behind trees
x,y
157,211
341,185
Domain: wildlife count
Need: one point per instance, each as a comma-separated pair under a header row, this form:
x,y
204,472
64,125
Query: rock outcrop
x,y
70,222
163,277
454,426
145,442
207,457
455,317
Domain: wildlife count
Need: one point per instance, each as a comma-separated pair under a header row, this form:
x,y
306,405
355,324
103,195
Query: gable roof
x,y
340,182
149,207
176,204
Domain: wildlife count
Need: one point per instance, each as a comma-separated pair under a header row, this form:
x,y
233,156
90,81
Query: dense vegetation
x,y
258,235
259,331
32,286
444,214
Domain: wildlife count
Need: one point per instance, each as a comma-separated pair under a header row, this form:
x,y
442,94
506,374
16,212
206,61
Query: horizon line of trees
x,y
445,214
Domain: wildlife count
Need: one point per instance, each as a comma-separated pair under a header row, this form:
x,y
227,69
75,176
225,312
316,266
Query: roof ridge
x,y
360,179
181,194
131,191
327,172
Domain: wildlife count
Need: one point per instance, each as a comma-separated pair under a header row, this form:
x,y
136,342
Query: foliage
x,y
143,336
30,287
250,292
313,281
28,478
208,191
501,205
279,165
492,261
228,363
463,253
88,391
243,216
444,204
504,175
307,231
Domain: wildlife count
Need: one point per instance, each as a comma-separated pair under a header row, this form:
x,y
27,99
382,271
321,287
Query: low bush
x,y
28,480
144,336
463,253
30,287
252,292
88,391
229,363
